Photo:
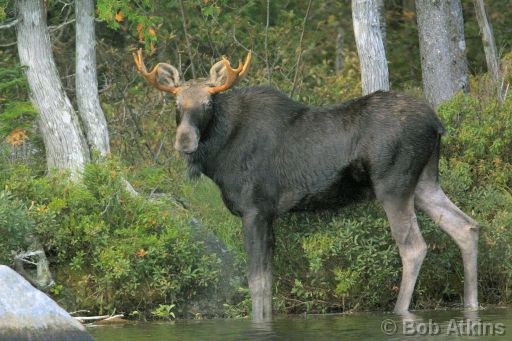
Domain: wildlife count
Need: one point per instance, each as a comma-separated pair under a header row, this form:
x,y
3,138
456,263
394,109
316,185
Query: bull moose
x,y
270,155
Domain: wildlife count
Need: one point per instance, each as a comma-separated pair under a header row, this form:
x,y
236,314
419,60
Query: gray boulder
x,y
28,314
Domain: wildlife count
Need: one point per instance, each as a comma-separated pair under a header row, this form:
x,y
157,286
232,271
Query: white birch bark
x,y
370,46
491,53
86,81
63,139
381,10
458,45
442,47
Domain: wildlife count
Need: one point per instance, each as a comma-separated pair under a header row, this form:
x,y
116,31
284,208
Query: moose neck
x,y
215,136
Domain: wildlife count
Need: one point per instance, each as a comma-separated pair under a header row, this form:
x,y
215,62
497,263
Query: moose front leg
x,y
258,240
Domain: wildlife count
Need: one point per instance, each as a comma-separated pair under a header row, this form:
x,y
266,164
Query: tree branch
x,y
187,41
299,57
269,75
8,24
58,27
8,44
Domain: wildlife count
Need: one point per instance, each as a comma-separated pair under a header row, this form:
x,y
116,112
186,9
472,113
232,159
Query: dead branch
x,y
299,57
8,24
97,318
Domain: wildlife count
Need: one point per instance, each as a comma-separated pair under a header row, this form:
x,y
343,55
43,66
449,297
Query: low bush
x,y
108,249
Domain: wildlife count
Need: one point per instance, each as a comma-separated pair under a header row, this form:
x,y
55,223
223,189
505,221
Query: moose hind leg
x,y
431,199
258,240
412,247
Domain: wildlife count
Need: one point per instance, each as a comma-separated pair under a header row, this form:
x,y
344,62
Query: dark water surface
x,y
495,324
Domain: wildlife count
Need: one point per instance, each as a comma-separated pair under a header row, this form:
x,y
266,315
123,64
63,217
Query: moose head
x,y
193,97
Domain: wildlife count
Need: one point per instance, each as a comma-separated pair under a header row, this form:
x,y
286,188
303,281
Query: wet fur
x,y
287,156
270,155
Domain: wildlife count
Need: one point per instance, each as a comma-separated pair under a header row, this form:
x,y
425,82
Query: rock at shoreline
x,y
28,314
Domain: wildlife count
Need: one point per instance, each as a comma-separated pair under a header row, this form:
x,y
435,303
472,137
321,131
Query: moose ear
x,y
218,74
167,75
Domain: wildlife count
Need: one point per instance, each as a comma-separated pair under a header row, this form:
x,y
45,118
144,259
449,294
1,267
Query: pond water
x,y
491,324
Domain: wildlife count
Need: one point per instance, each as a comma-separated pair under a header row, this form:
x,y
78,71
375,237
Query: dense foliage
x,y
111,250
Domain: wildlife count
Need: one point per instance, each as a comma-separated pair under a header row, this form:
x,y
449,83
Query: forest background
x,y
173,249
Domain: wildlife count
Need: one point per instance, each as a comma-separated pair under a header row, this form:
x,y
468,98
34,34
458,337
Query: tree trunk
x,y
381,10
442,47
370,46
491,54
87,97
63,139
340,44
458,44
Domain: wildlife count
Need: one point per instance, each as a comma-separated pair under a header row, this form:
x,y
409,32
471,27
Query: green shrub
x,y
15,226
109,249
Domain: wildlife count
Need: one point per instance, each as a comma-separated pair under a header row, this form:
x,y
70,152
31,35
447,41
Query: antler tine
x,y
151,76
233,75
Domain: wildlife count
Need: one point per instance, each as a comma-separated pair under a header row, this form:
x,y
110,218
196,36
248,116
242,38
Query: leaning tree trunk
x,y
370,46
442,47
491,54
87,98
63,139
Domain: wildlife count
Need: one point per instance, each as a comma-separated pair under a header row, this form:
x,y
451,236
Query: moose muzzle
x,y
187,138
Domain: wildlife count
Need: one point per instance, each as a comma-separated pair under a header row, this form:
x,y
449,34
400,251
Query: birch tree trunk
x,y
381,10
491,54
442,47
370,46
65,145
87,98
458,45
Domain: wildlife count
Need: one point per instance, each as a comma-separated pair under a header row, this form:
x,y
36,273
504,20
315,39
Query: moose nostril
x,y
186,142
184,139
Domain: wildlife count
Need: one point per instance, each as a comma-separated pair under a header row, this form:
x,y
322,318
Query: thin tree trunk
x,y
299,57
442,48
63,139
340,44
491,54
370,46
267,65
88,102
458,45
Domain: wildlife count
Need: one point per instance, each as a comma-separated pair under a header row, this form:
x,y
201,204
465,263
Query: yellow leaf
x,y
140,33
16,137
141,253
119,16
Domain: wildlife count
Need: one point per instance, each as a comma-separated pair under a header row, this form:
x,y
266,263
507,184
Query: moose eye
x,y
178,115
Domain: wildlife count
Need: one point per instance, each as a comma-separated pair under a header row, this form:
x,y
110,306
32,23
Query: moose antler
x,y
151,77
233,76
